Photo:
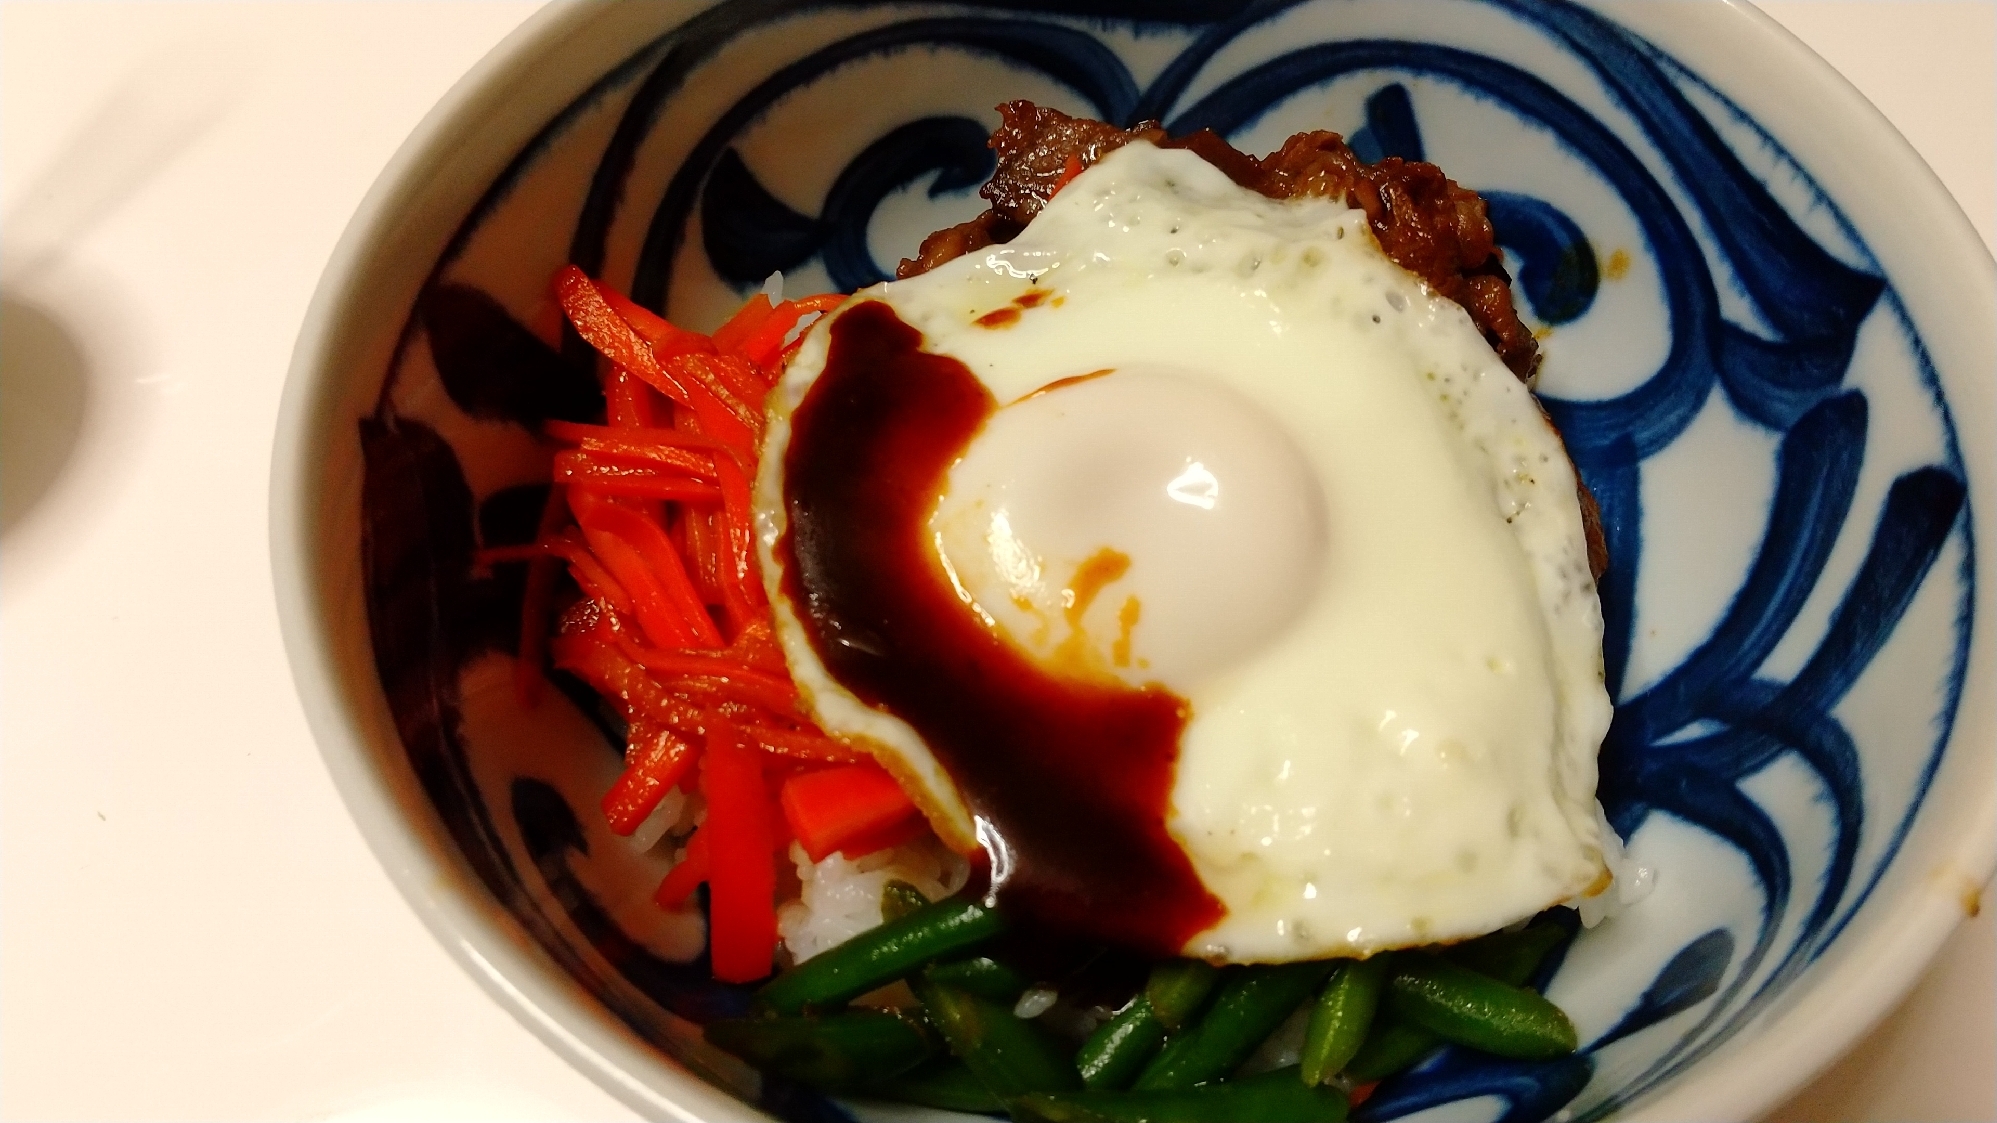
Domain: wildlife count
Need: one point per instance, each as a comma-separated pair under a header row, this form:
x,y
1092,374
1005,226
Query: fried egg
x,y
1236,454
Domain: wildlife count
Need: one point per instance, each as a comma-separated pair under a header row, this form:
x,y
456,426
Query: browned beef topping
x,y
1425,222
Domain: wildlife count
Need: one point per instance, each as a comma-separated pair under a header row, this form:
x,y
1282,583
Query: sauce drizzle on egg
x,y
1070,777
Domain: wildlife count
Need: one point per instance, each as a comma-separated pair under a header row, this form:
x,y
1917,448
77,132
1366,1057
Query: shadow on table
x,y
44,397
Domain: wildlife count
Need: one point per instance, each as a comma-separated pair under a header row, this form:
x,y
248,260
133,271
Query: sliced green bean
x,y
982,976
838,1051
1272,1097
1252,1002
880,956
1116,1053
1460,1005
1393,1046
1342,1017
1010,1056
1118,1050
948,1084
1177,988
899,898
1510,957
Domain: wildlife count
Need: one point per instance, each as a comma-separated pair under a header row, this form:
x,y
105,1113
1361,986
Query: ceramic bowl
x,y
1770,344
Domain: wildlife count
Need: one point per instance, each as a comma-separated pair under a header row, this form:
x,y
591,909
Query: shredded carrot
x,y
667,338
687,876
800,745
636,436
675,628
596,581
657,566
655,761
743,324
742,878
605,451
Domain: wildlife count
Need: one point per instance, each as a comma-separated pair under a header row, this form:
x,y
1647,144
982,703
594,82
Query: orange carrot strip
x,y
742,883
756,645
767,343
771,696
596,321
800,745
740,423
834,807
655,610
583,301
684,878
742,596
667,338
661,560
699,531
658,758
647,454
595,659
743,323
693,532
698,663
596,582
887,838
738,376
576,433
579,469
628,401
641,485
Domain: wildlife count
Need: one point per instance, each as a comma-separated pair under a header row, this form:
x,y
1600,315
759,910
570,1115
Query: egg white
x,y
1352,537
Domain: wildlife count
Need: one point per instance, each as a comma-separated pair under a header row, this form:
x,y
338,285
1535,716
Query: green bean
x,y
1117,1051
1341,1018
1177,988
948,1084
1010,1056
1458,1004
982,976
899,898
1273,1097
1509,957
878,957
1392,1046
1252,1002
833,1051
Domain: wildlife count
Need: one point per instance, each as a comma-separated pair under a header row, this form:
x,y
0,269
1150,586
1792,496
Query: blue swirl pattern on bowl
x,y
1736,732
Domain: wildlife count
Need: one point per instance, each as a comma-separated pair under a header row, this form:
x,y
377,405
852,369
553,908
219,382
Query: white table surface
x,y
190,925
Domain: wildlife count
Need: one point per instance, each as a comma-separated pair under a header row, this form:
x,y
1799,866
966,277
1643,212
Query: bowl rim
x,y
416,853
1742,1081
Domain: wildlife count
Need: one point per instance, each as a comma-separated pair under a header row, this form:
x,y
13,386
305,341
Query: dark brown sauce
x,y
1075,775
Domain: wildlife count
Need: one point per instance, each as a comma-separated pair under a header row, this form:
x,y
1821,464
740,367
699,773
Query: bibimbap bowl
x,y
1771,338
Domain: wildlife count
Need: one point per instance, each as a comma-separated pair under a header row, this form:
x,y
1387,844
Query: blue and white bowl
x,y
1771,340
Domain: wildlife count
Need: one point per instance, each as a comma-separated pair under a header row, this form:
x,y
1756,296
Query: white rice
x,y
841,898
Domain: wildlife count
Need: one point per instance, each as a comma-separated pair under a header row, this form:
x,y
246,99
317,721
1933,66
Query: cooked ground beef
x,y
1425,222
